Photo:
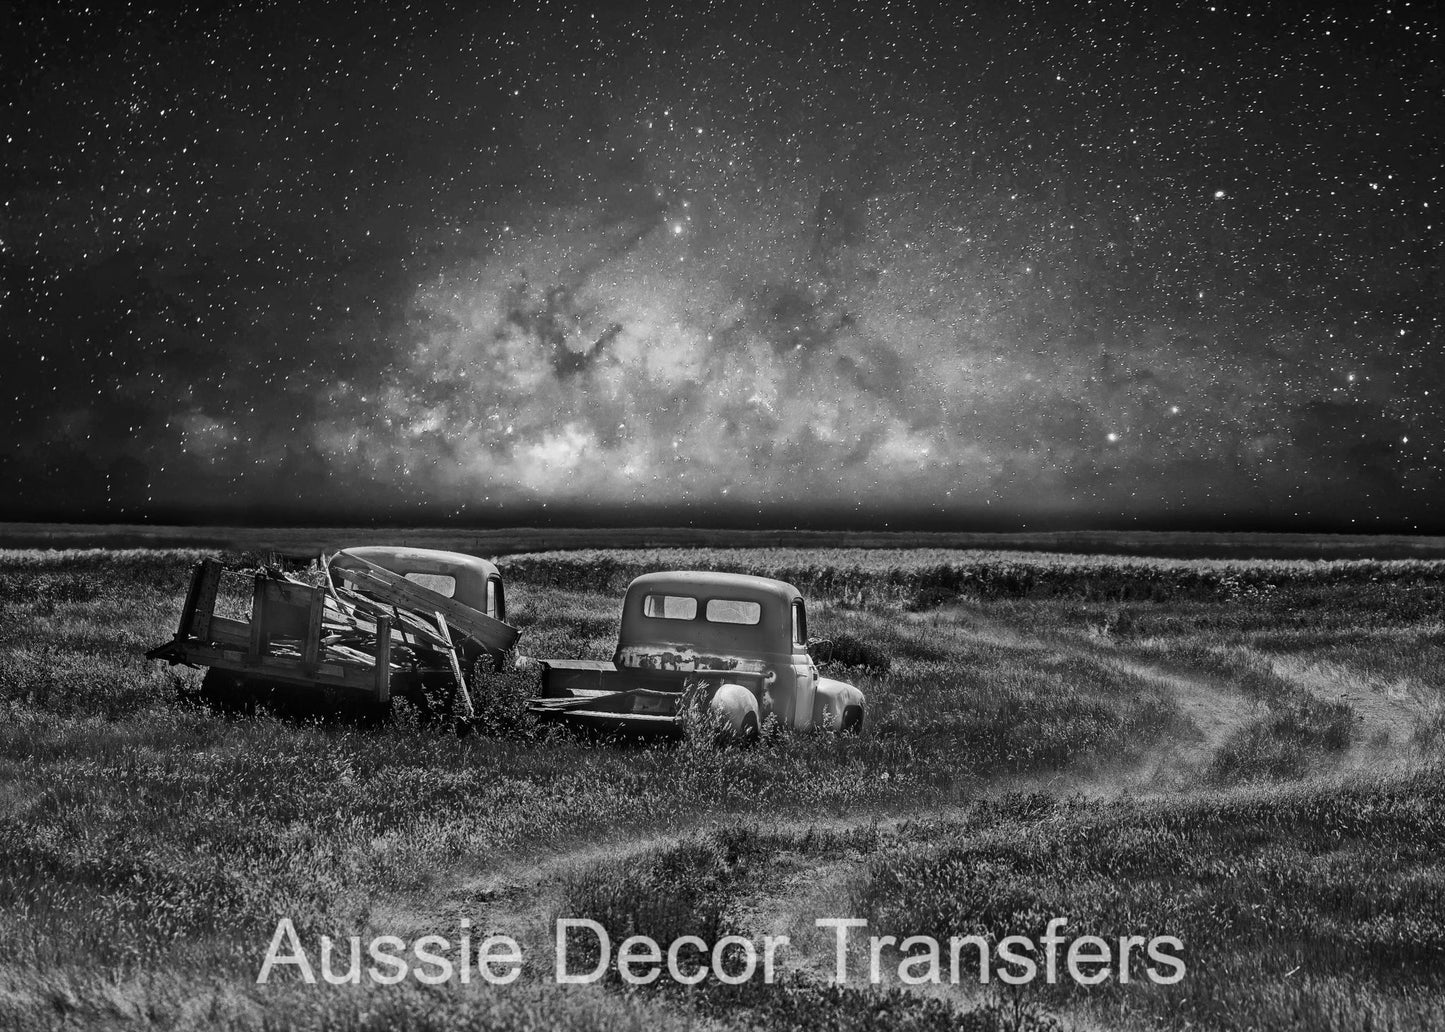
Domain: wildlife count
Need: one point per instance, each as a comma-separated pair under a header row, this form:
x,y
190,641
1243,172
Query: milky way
x,y
1001,266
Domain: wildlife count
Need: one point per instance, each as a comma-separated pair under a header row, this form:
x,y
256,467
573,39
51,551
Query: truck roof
x,y
469,573
706,635
709,583
422,560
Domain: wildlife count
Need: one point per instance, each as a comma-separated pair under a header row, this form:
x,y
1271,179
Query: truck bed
x,y
288,638
328,637
601,695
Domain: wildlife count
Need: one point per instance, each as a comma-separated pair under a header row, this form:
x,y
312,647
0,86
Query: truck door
x,y
805,674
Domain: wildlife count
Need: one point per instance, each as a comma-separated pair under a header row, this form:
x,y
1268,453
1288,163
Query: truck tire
x,y
228,693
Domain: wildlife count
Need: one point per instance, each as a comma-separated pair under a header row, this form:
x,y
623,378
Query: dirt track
x,y
523,895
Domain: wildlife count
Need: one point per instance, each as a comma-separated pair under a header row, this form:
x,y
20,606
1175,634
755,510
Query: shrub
x,y
500,698
848,650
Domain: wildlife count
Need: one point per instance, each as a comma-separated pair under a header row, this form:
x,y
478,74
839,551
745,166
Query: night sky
x,y
1003,265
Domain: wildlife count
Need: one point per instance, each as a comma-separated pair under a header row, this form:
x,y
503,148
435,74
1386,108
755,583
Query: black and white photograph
x,y
722,515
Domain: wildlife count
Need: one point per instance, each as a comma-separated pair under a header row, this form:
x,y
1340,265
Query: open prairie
x,y
1245,755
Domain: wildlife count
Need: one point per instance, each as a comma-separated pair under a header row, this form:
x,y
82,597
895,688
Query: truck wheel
x,y
735,709
747,734
227,693
852,723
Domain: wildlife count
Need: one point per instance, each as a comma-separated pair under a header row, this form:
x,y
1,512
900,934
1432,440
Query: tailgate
x,y
593,690
562,677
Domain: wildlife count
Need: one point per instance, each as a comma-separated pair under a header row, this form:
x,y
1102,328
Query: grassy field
x,y
1244,755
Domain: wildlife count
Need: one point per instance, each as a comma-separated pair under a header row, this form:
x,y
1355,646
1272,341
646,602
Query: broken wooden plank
x,y
351,654
368,627
455,664
358,601
489,632
331,588
377,608
363,606
413,623
419,628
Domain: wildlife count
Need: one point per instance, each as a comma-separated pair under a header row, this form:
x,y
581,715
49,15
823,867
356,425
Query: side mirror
x,y
820,649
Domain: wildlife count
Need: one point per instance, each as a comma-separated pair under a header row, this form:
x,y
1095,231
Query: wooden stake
x,y
383,659
451,652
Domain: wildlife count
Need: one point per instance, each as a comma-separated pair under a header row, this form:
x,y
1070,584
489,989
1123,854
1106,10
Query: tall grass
x,y
693,888
147,846
1309,907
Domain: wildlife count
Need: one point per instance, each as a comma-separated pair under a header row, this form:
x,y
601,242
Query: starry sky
x,y
760,264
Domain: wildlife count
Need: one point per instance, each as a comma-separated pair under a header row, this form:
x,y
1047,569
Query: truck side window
x,y
800,623
496,601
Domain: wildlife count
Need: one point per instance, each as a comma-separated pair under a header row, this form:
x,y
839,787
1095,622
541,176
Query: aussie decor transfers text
x,y
583,952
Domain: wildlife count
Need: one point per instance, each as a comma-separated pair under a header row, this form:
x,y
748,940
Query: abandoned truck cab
x,y
469,579
740,639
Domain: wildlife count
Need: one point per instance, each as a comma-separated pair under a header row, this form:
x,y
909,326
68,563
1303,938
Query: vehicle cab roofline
x,y
713,584
470,574
389,555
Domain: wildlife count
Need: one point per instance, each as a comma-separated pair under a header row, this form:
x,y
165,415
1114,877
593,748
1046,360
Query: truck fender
x,y
736,710
838,706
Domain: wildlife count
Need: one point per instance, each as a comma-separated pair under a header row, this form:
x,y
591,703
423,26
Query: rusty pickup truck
x,y
730,647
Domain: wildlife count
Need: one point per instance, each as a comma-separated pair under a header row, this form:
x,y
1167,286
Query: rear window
x,y
670,607
729,610
438,582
